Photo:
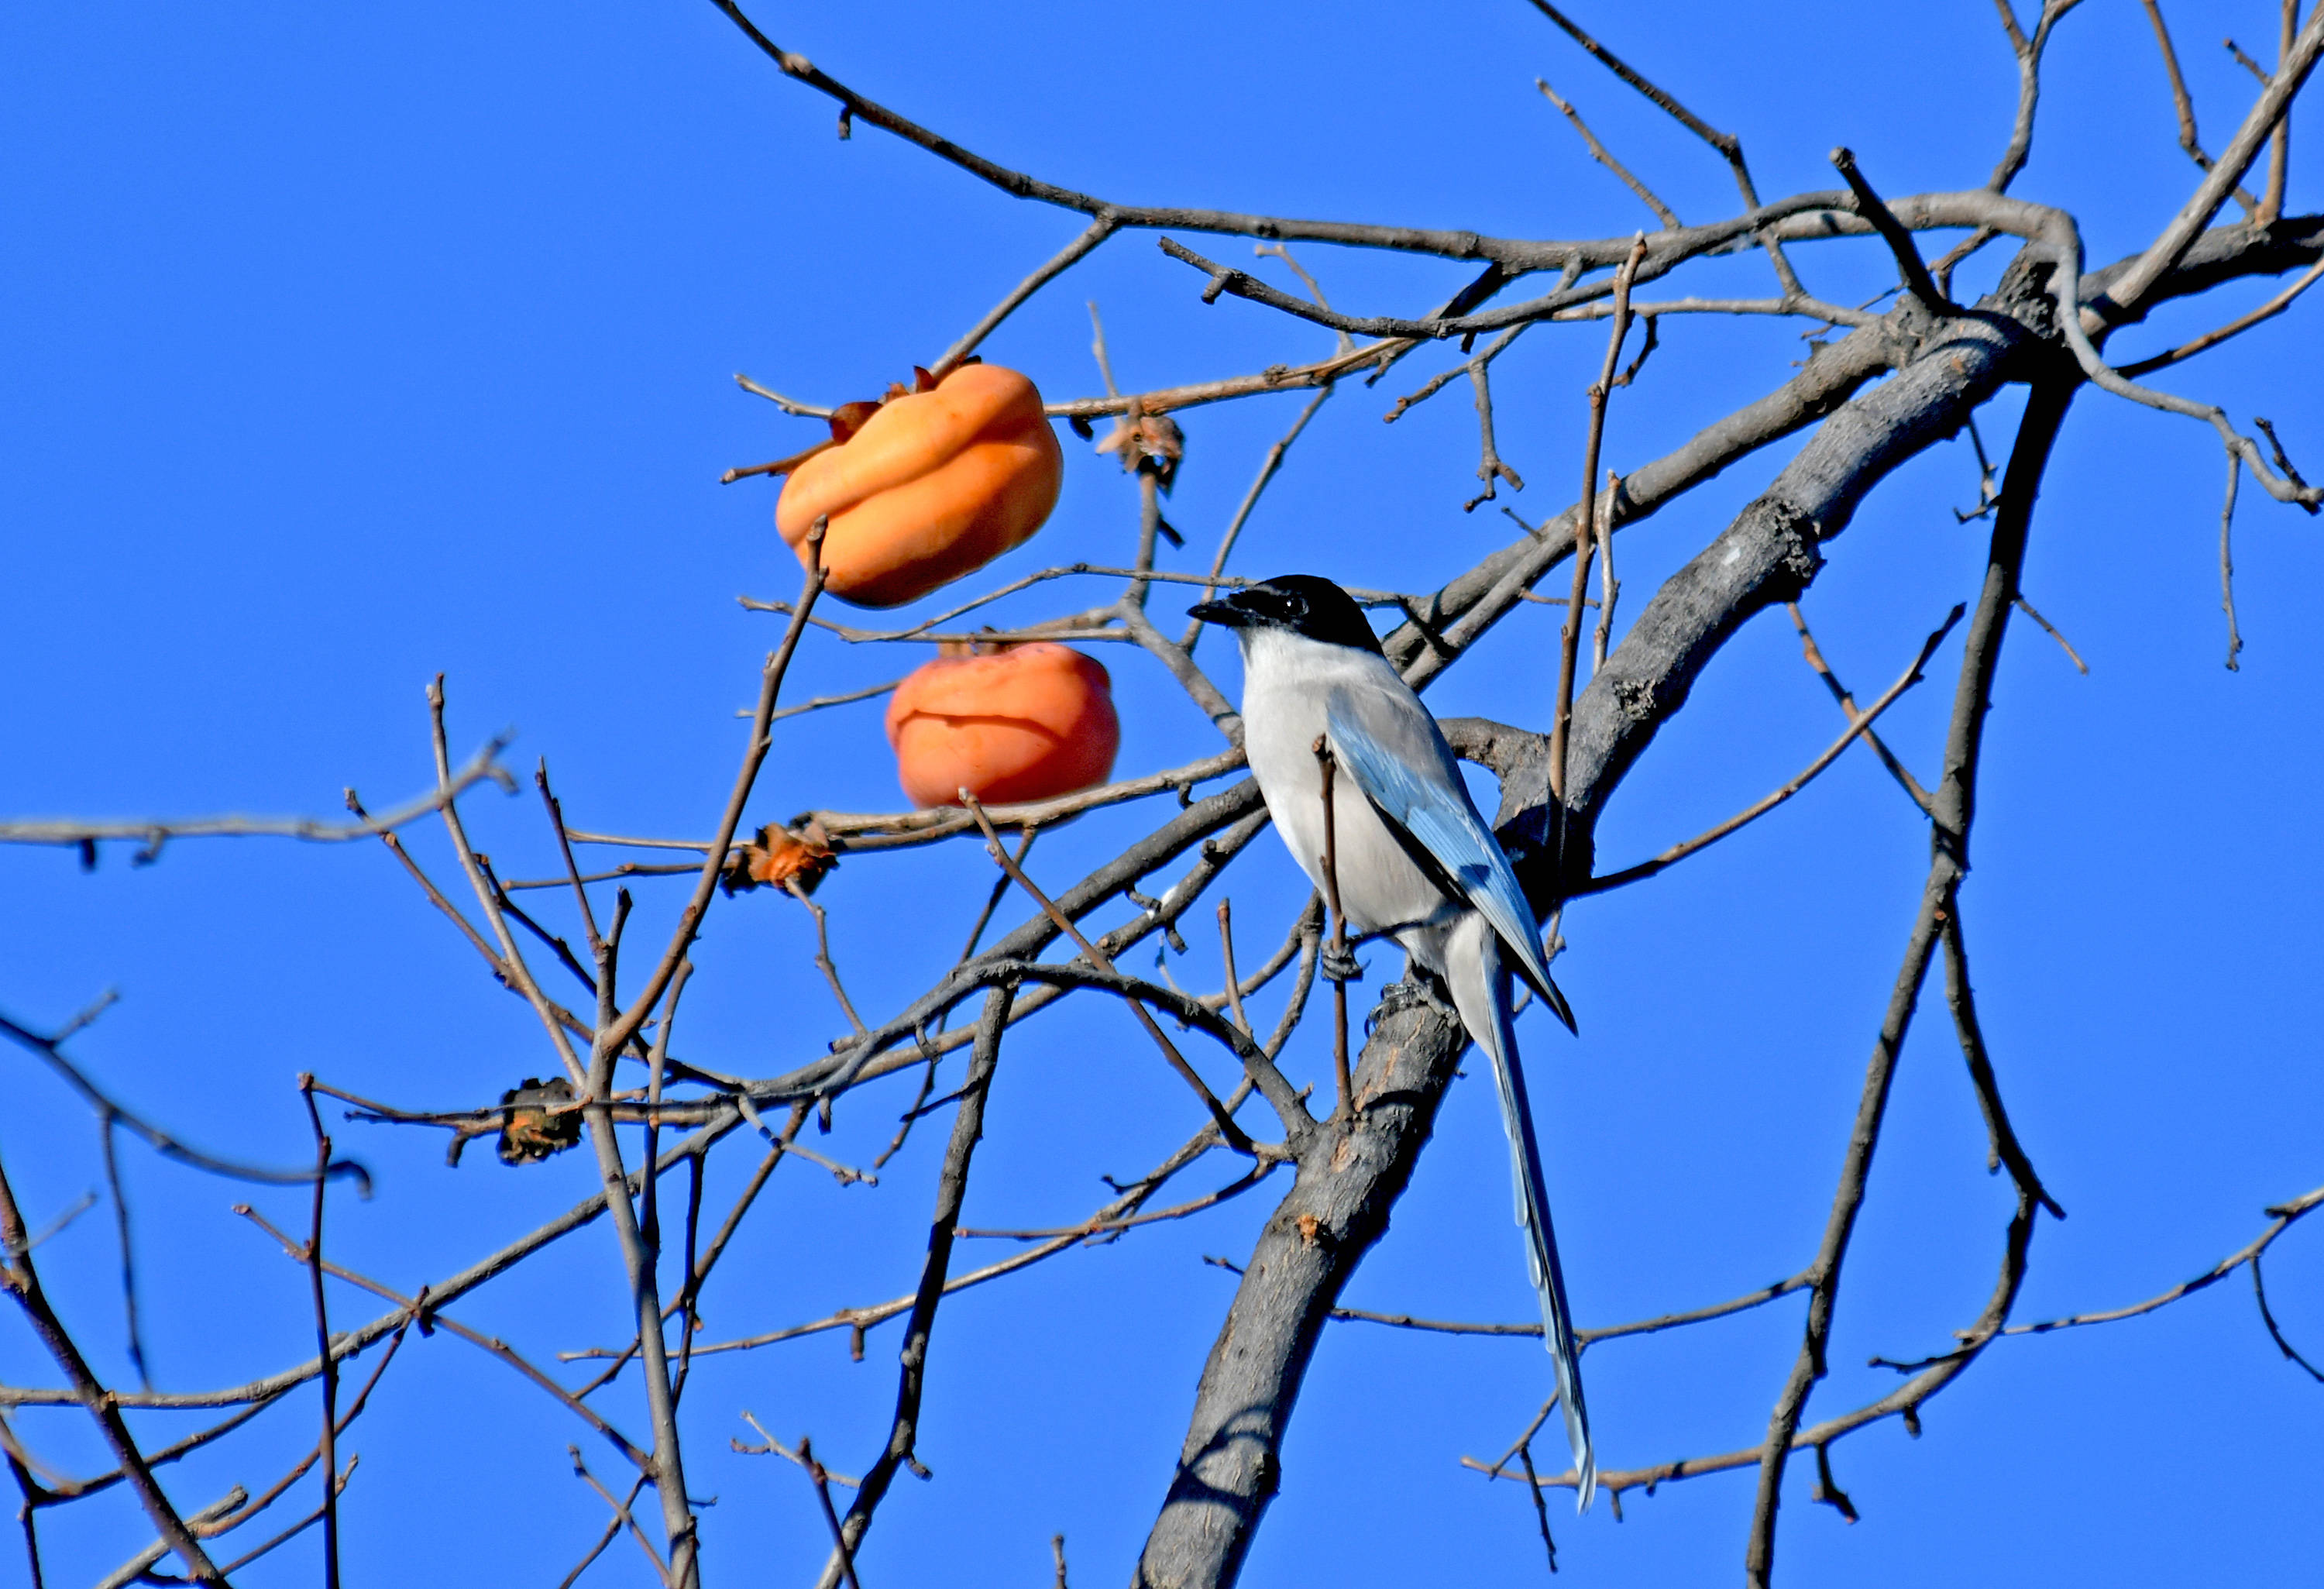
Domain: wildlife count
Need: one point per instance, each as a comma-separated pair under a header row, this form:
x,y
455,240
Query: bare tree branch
x,y
1663,212
1859,724
2029,84
482,767
23,1283
952,1188
2127,290
1953,810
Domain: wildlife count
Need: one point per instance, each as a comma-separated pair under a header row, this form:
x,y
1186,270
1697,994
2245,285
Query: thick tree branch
x,y
1766,557
1349,1179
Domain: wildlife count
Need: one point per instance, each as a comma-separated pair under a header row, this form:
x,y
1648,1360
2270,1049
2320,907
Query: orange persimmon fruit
x,y
1023,723
926,488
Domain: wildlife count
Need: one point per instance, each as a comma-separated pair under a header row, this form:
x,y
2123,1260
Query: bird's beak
x,y
1225,614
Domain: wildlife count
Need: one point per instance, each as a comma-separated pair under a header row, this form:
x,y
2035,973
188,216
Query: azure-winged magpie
x,y
1414,861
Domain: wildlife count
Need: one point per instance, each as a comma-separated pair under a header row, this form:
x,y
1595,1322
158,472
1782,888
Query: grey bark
x,y
1338,1206
1348,1180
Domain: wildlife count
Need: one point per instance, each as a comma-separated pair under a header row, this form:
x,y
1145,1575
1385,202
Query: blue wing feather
x,y
1443,820
1439,816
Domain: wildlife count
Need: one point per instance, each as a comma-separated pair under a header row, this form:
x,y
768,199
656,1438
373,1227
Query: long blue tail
x,y
1496,1033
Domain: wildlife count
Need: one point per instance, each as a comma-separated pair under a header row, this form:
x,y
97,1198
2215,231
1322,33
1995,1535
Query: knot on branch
x,y
1634,699
2023,294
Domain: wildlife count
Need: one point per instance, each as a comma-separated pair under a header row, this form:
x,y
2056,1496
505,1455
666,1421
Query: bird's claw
x,y
1341,965
1412,993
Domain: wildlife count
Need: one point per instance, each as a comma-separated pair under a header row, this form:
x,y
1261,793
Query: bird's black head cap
x,y
1304,604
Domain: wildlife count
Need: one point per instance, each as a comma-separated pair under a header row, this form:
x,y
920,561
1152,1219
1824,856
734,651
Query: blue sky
x,y
341,349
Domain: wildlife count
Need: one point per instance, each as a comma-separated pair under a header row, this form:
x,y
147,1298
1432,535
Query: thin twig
x,y
1531,1429
434,1317
1427,389
2003,1146
2266,311
1663,212
1226,951
1587,1337
328,1448
782,465
2275,1331
153,1136
2050,629
1858,725
1797,304
1653,339
1609,589
1491,468
1099,1227
1952,811
993,899
790,405
2029,85
2126,291
1941,273
774,1447
2228,561
2275,446
823,955
1098,231
2279,161
657,1065
842,1550
2284,1216
2259,73
1909,266
1540,1507
157,831
951,1187
121,1222
2186,105
1267,465
1206,696
1815,660
1729,147
556,810
714,863
612,1527
1233,1134
1586,522
23,1282
1338,968
622,1513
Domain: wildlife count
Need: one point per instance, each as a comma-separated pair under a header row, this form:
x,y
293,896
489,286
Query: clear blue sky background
x,y
341,347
